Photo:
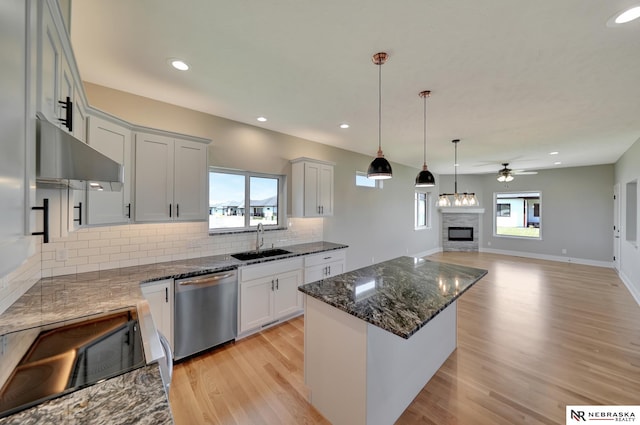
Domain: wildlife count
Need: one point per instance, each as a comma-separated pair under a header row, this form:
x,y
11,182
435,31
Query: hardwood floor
x,y
533,337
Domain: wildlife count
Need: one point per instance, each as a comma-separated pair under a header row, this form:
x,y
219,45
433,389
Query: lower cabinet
x,y
324,265
160,297
269,292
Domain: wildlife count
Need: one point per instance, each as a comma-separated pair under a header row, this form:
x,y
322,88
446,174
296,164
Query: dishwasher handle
x,y
206,280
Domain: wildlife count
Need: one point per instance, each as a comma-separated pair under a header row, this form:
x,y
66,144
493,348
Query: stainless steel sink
x,y
254,255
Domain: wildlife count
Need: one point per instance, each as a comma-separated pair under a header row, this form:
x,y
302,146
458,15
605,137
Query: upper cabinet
x,y
57,80
312,188
113,139
170,179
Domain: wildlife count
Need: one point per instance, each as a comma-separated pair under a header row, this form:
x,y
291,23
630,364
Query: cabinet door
x,y
190,188
114,141
286,294
160,298
79,115
48,69
66,90
314,273
154,178
325,190
311,185
256,303
15,190
76,209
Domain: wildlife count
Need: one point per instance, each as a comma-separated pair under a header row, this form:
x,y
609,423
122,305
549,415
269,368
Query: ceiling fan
x,y
506,174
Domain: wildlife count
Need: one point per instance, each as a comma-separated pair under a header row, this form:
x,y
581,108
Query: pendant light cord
x,y
425,130
455,168
379,107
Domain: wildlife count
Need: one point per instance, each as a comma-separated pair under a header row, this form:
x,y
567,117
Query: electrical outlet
x,y
564,250
489,243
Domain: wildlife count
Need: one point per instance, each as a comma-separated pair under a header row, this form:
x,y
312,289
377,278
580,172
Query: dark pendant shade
x,y
379,169
425,178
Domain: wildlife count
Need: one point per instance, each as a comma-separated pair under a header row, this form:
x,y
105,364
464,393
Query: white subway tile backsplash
x,y
101,248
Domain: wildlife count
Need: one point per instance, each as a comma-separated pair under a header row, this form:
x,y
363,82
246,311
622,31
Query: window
x,y
239,200
518,214
503,210
363,181
422,201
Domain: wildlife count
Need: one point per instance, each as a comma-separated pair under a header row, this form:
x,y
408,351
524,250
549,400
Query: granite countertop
x,y
60,298
399,295
134,397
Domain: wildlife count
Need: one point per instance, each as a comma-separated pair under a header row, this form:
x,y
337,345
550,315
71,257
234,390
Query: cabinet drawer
x,y
268,269
325,257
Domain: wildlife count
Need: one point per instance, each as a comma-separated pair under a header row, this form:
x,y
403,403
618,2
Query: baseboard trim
x,y
427,253
561,259
635,292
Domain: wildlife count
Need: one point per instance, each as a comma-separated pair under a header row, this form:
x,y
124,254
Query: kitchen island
x,y
375,336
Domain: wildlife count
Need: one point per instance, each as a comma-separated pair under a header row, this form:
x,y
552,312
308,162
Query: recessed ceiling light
x,y
554,153
179,65
261,119
557,163
344,125
625,16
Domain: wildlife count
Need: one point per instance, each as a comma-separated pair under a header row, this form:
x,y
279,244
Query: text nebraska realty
x,y
580,415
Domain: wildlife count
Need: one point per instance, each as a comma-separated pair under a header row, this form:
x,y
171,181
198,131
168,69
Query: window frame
x,y
495,214
377,184
281,206
427,212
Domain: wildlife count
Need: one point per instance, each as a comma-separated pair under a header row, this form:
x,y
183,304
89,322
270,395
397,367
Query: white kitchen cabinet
x,y
55,77
113,139
312,188
170,179
18,144
160,297
269,292
324,265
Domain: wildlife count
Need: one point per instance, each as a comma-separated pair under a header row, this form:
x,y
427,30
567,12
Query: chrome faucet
x,y
259,241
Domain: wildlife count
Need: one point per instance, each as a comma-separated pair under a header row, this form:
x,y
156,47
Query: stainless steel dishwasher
x,y
206,312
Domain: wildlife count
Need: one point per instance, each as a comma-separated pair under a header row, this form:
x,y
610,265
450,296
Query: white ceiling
x,y
513,79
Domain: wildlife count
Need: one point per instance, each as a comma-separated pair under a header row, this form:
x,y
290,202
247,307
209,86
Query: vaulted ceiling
x,y
514,80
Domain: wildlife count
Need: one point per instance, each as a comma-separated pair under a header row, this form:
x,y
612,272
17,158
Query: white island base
x,y
358,373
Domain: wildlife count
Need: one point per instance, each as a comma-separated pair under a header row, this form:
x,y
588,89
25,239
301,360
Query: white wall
x,y
377,224
627,169
576,212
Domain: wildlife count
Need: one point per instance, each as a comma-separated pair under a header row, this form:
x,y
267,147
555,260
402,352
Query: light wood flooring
x,y
533,337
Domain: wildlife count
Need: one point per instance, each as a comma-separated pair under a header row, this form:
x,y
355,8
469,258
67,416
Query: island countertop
x,y
399,295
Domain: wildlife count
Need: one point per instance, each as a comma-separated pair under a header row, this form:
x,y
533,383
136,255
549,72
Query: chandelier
x,y
459,199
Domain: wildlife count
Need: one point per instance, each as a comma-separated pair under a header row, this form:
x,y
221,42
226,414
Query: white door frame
x,y
616,226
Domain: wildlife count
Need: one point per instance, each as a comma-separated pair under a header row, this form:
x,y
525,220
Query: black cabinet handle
x,y
67,121
79,208
129,210
177,210
272,284
45,220
277,283
166,294
169,210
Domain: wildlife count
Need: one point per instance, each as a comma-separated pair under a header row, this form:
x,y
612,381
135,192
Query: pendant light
x,y
459,200
379,169
425,178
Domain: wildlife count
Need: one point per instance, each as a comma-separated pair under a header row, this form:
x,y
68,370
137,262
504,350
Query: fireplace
x,y
460,233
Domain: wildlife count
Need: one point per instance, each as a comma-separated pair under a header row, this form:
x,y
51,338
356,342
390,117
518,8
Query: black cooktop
x,y
65,357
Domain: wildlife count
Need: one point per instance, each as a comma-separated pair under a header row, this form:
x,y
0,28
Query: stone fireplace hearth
x,y
459,218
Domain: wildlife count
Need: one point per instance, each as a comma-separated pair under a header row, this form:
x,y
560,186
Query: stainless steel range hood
x,y
64,161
